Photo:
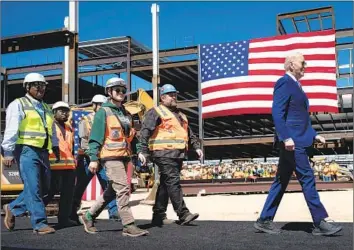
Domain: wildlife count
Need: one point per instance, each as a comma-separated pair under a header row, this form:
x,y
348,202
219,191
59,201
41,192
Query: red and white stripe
x,y
253,94
94,190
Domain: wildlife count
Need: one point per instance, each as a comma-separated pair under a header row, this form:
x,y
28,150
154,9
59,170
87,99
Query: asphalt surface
x,y
200,235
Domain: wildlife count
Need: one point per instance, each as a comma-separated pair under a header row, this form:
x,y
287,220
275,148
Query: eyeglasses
x,y
120,90
38,85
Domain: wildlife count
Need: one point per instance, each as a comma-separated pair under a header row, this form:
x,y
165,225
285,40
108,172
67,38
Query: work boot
x,y
325,228
266,226
133,231
44,230
68,223
9,219
75,218
188,218
88,221
158,220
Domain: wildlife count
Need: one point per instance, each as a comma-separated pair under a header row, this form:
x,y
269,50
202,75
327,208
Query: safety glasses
x,y
120,90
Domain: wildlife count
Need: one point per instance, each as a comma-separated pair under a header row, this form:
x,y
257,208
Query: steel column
x,y
155,52
200,116
129,75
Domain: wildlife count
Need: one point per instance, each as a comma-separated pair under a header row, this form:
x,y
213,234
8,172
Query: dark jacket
x,y
151,121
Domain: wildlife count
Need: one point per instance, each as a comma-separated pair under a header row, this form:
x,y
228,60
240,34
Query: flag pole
x,y
200,115
155,9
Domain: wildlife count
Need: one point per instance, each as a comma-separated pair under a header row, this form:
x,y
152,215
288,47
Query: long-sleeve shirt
x,y
84,134
151,121
14,116
98,131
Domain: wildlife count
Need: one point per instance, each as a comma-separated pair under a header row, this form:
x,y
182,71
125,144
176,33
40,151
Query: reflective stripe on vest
x,y
116,144
67,160
32,134
32,131
169,134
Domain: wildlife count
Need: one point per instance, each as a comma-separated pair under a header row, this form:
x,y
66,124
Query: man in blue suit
x,y
295,136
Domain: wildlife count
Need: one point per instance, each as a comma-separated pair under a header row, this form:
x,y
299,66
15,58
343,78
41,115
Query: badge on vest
x,y
115,134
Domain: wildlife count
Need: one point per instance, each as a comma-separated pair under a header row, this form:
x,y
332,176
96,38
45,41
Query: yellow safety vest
x,y
32,131
169,135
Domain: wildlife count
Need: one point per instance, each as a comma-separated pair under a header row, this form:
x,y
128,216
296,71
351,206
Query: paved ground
x,y
200,235
225,223
339,205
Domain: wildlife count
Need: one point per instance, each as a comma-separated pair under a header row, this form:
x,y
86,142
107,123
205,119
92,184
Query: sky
x,y
180,24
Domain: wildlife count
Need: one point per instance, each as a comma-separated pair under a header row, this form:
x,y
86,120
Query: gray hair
x,y
290,58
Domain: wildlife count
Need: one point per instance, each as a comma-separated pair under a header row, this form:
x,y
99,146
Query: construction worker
x,y
164,135
63,170
111,142
28,139
84,176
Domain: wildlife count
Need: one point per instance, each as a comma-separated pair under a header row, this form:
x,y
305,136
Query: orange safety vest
x,y
67,160
116,144
169,134
89,121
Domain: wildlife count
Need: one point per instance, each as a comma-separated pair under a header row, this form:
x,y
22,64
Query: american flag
x,y
93,190
77,115
238,77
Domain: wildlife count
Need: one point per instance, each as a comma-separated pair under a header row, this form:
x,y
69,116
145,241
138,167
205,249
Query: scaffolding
x,y
222,137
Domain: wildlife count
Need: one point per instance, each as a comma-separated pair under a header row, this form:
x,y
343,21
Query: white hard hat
x,y
34,77
115,81
60,104
99,99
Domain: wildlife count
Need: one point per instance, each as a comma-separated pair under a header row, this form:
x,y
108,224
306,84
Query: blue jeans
x,y
327,178
84,177
35,173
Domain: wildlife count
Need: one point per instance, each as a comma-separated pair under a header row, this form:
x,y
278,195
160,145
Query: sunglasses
x,y
120,90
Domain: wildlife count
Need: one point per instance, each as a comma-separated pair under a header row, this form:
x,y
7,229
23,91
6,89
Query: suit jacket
x,y
290,113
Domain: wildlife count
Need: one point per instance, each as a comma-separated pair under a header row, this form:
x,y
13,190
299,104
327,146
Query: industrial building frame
x,y
245,136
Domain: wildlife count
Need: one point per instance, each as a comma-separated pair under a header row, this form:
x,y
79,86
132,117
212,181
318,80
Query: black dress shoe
x,y
325,228
266,226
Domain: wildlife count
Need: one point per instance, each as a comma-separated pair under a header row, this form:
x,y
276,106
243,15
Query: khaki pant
x,y
118,189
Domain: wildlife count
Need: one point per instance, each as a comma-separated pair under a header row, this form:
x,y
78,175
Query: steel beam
x,y
305,13
344,33
155,9
187,104
3,70
167,65
100,61
294,24
129,74
167,53
344,46
35,68
35,41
